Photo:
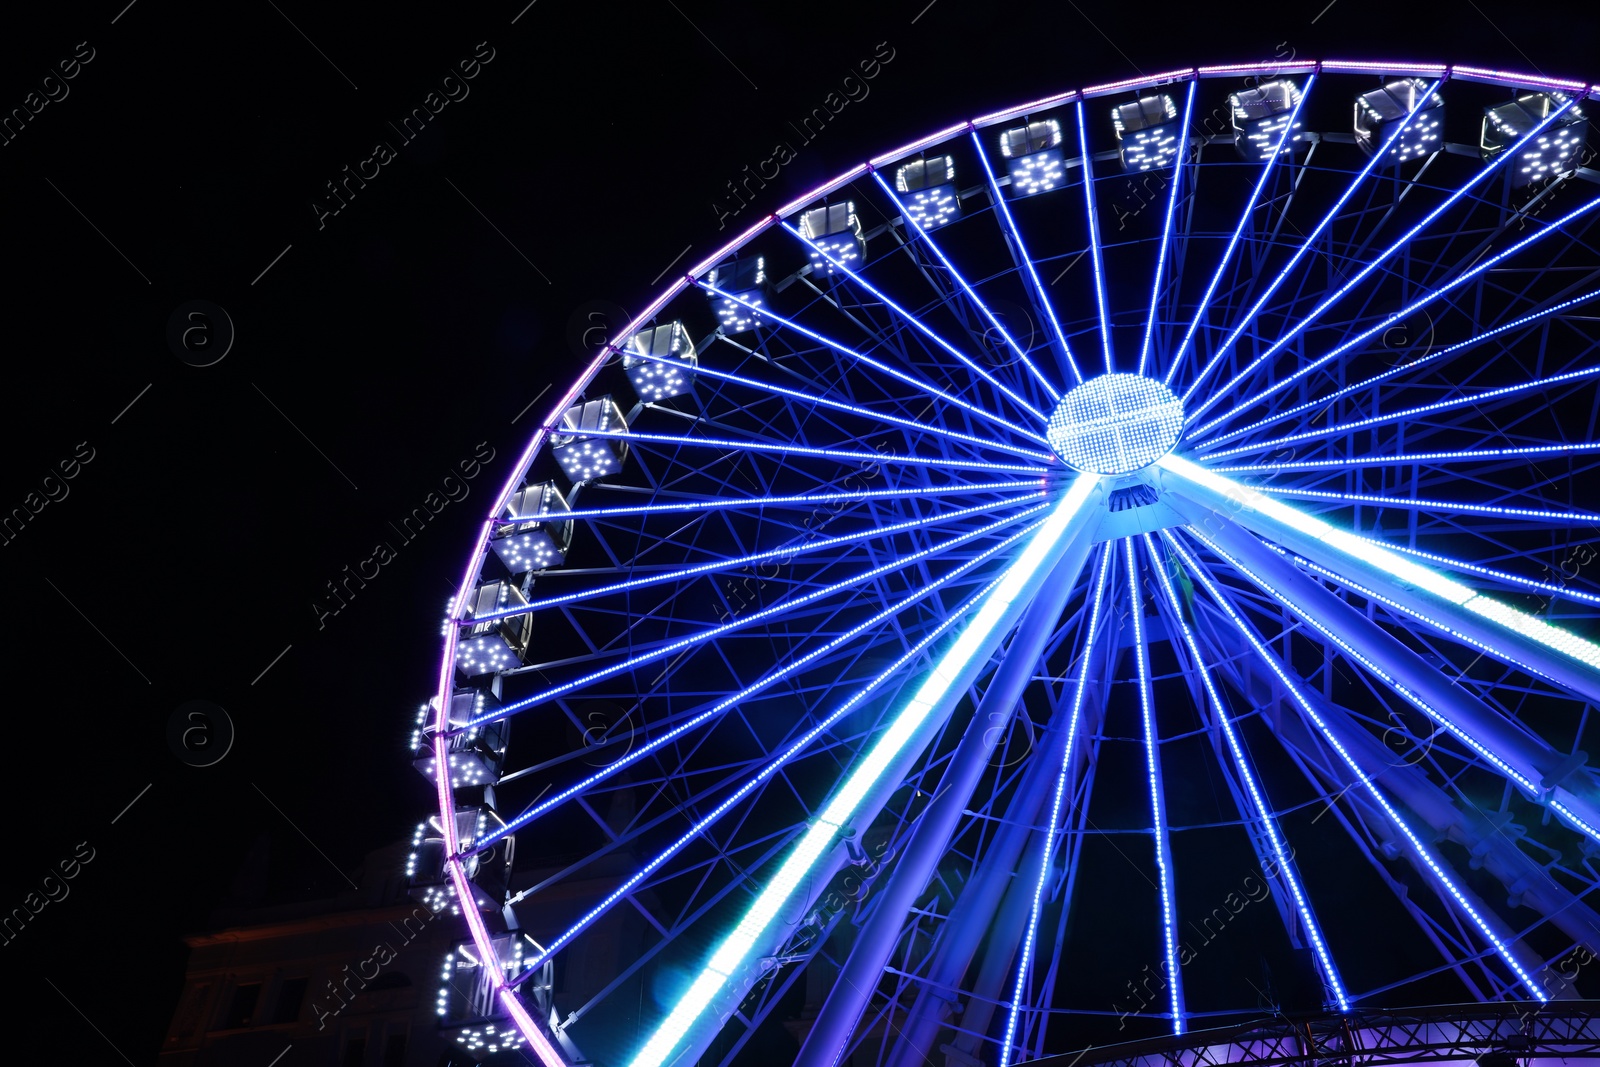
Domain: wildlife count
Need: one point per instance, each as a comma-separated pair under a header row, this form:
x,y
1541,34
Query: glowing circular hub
x,y
1115,424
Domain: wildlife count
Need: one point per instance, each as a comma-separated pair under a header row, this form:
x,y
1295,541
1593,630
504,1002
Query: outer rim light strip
x,y
1422,850
1305,246
1374,379
931,390
1152,758
1244,217
1371,554
711,567
1094,237
766,680
1142,82
840,405
920,325
1423,301
1004,211
800,499
808,450
1530,81
1047,849
1412,503
1166,227
961,280
733,949
717,631
1402,459
1408,413
1263,812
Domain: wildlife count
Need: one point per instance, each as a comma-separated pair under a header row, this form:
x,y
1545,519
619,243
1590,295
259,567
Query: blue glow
x,y
931,390
1575,518
1316,312
1166,227
916,321
966,288
1257,798
831,453
1305,246
1152,758
1115,424
1473,455
788,604
1422,851
1004,211
1094,239
793,500
975,640
1244,218
1095,602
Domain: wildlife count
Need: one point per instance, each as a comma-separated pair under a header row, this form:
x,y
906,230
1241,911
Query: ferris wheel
x,y
1104,569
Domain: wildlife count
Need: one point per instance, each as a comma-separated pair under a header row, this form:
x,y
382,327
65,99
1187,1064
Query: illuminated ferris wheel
x,y
1105,569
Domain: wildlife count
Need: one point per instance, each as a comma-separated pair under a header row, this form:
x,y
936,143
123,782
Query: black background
x,y
377,353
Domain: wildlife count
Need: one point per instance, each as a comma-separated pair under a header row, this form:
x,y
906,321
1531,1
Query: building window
x,y
291,994
242,1011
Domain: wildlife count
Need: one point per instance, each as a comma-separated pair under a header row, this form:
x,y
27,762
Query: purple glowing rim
x,y
534,1034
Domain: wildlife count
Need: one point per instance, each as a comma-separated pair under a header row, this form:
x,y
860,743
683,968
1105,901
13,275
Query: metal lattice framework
x,y
858,667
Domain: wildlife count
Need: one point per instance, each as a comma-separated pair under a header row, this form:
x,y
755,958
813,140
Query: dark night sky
x,y
379,351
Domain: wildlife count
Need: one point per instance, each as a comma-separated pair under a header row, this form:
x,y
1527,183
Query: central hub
x,y
1115,424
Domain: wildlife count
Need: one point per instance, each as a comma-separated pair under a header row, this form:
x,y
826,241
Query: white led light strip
x,y
1424,578
1041,551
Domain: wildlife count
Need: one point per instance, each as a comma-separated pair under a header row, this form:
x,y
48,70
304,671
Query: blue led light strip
x,y
1402,368
933,246
975,640
1574,518
1423,852
1361,338
1004,211
781,552
807,450
1084,655
1244,218
1408,413
1166,227
749,691
1305,246
1094,237
1258,799
1152,763
1473,455
787,604
1316,312
840,405
912,380
798,500
919,324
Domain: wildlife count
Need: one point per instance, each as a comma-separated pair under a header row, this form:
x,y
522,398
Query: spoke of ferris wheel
x,y
1378,156
909,379
1565,591
861,795
784,551
1102,568
1406,459
1410,309
972,295
796,500
1094,236
762,683
1402,368
1566,518
1009,224
1425,854
1152,765
1283,146
1404,414
921,326
783,606
810,450
1166,226
1263,812
1524,780
1506,633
